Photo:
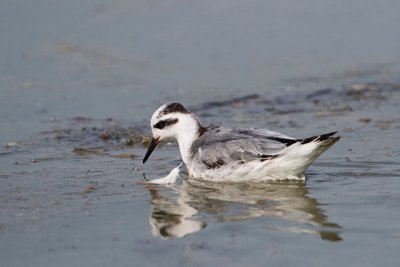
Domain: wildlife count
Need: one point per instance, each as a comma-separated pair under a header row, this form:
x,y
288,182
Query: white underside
x,y
289,165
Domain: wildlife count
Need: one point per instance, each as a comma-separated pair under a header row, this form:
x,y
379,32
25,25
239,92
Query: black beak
x,y
153,144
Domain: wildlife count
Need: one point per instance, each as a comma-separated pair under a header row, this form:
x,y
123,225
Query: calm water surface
x,y
79,81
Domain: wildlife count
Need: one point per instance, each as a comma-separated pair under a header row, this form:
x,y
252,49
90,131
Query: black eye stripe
x,y
165,123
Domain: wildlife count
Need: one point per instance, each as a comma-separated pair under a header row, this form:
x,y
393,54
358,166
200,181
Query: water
x,y
79,81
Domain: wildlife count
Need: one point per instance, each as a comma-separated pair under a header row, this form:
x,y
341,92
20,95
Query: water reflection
x,y
181,210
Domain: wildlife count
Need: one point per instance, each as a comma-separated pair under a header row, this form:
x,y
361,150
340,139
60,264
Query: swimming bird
x,y
218,153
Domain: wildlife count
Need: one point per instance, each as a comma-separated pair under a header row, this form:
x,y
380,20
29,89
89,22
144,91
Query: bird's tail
x,y
297,157
312,147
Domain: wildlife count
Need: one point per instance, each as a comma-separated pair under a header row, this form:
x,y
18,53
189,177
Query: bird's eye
x,y
159,125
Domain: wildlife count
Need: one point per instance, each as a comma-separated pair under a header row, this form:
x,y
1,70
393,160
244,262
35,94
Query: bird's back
x,y
221,154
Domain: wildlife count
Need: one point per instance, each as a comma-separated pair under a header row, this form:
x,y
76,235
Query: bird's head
x,y
172,120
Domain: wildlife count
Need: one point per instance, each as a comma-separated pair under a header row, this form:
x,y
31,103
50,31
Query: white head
x,y
172,120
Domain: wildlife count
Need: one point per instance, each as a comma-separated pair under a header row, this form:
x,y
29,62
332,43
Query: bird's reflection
x,y
180,210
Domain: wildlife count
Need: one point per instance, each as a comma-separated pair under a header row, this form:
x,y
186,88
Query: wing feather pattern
x,y
219,146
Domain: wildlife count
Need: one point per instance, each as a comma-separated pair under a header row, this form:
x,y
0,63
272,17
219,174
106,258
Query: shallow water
x,y
78,191
77,94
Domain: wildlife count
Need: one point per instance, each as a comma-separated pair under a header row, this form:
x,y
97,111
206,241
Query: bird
x,y
222,154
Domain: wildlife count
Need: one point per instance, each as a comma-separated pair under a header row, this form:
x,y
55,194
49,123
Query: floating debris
x,y
105,136
11,144
365,120
89,188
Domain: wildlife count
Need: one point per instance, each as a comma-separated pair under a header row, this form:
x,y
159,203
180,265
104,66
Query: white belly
x,y
255,171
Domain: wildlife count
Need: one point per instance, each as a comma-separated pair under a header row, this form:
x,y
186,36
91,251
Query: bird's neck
x,y
187,136
185,143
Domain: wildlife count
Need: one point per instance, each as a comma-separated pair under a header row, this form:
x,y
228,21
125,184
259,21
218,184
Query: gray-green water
x,y
79,81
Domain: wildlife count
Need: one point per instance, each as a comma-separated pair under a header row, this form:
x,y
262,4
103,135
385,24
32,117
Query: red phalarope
x,y
236,155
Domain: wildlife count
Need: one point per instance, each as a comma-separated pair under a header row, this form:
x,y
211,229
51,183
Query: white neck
x,y
185,143
186,135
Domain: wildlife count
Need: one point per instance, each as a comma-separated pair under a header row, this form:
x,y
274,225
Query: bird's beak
x,y
153,144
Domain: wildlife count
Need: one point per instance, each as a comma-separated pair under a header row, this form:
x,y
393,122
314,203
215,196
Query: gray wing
x,y
219,146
